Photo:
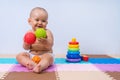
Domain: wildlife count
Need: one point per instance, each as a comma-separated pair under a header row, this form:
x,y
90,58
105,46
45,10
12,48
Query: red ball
x,y
29,38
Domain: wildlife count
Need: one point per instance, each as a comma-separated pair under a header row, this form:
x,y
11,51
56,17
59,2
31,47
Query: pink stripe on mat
x,y
20,68
108,67
66,67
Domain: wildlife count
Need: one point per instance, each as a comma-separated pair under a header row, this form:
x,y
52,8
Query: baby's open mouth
x,y
39,26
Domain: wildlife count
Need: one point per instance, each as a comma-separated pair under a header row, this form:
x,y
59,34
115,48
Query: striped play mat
x,y
100,67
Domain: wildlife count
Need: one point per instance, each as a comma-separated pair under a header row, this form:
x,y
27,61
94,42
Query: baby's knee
x,y
21,54
48,56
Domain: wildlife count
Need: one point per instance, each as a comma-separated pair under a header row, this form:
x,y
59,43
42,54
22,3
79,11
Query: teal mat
x,y
63,61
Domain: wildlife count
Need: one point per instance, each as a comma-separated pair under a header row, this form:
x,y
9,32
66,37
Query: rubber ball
x,y
29,38
40,33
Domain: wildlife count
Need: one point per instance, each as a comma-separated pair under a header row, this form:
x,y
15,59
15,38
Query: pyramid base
x,y
73,60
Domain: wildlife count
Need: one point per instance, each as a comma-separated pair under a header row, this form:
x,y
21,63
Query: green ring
x,y
73,49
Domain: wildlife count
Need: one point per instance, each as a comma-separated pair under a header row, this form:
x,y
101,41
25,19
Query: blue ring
x,y
73,56
73,52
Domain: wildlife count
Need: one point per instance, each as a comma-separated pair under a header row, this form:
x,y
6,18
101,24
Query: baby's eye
x,y
43,20
37,19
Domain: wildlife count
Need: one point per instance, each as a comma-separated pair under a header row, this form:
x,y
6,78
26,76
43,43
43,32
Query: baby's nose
x,y
40,22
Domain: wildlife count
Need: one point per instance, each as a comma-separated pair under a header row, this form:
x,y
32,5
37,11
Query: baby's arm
x,y
44,43
27,46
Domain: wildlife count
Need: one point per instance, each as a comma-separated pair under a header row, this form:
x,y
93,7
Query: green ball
x,y
40,33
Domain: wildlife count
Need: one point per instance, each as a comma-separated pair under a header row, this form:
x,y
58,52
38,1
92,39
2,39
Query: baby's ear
x,y
29,20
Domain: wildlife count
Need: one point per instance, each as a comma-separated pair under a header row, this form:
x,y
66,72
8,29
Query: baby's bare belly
x,y
40,52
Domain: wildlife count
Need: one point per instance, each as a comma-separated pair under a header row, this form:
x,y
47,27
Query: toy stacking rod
x,y
73,42
73,39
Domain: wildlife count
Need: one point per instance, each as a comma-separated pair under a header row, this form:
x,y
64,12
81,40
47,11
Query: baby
x,y
41,47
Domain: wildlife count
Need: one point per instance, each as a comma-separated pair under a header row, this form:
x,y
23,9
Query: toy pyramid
x,y
73,53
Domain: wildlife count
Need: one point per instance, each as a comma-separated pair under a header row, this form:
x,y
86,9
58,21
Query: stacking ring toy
x,y
73,53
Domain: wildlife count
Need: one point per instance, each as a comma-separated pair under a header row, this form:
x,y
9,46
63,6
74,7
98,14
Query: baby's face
x,y
38,19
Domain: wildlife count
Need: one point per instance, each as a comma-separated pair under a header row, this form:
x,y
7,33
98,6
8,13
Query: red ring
x,y
73,42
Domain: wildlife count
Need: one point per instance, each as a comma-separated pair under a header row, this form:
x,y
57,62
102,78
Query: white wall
x,y
95,24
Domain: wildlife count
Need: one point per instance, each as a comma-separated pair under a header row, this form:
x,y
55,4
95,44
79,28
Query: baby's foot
x,y
30,65
37,69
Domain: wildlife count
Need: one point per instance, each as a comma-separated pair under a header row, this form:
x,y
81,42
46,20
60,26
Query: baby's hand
x,y
26,46
42,39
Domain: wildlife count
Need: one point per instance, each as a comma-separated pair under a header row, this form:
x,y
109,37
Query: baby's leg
x,y
24,59
46,61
